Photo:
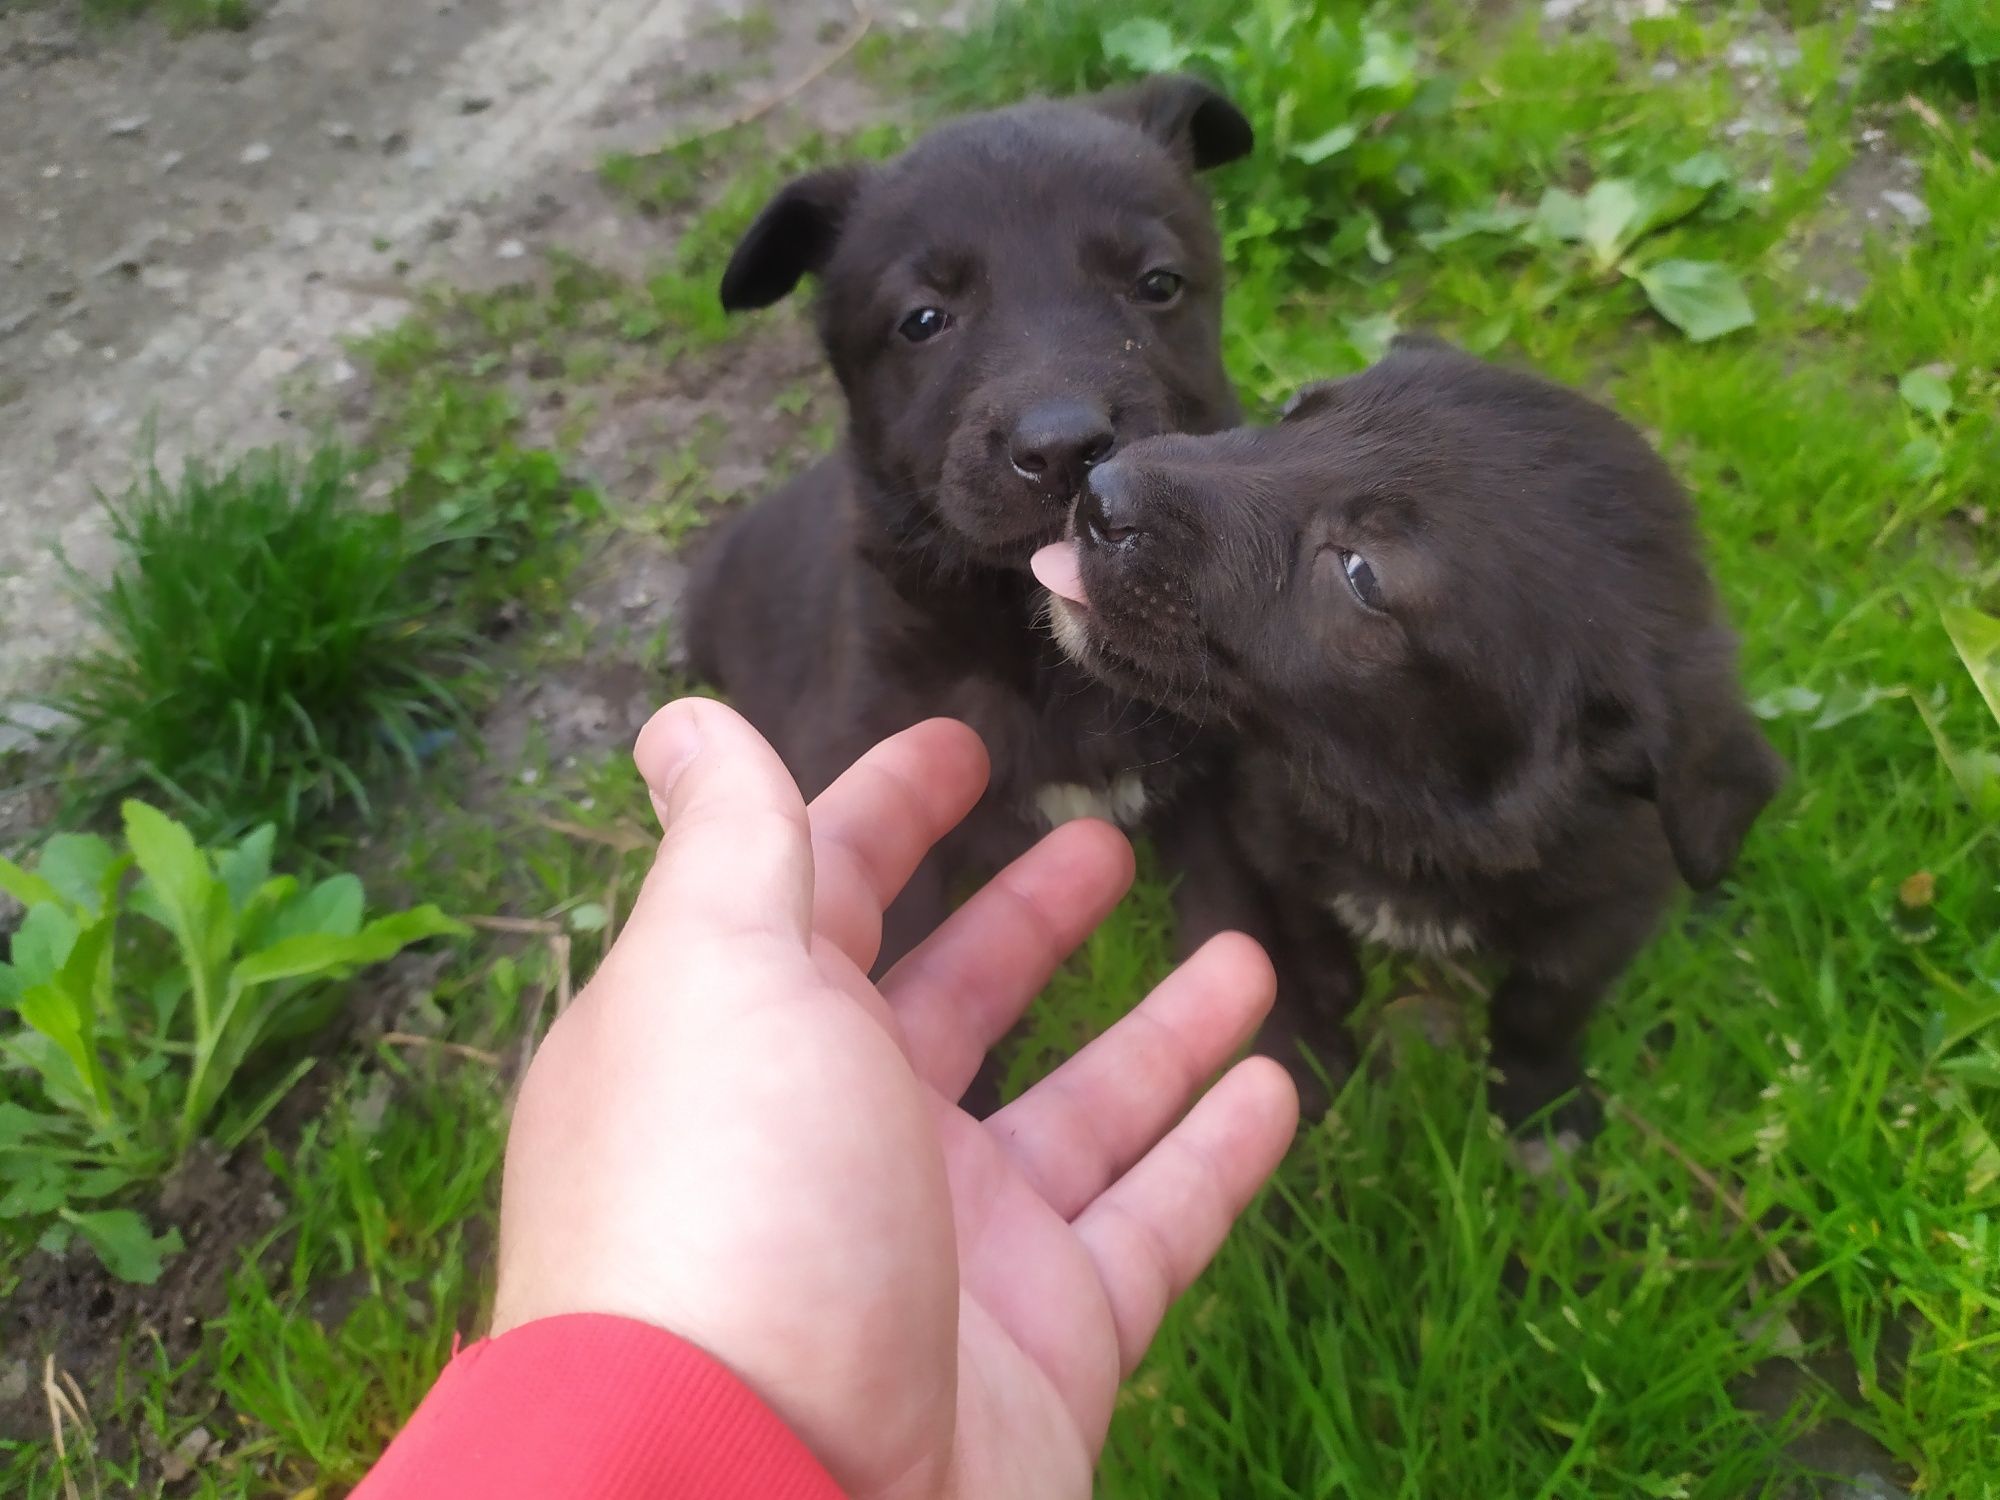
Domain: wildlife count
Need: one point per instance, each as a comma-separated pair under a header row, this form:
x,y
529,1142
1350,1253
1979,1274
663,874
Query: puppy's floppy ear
x,y
1187,116
793,236
1704,762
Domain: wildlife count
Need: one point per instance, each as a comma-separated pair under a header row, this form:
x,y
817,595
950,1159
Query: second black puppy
x,y
1457,619
1004,305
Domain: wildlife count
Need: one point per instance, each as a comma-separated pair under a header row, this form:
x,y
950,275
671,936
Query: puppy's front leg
x,y
1539,1013
1535,1036
1319,984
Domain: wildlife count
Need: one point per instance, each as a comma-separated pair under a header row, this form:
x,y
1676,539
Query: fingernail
x,y
666,747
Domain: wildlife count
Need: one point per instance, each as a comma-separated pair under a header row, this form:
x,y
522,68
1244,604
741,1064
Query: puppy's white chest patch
x,y
1122,802
1380,922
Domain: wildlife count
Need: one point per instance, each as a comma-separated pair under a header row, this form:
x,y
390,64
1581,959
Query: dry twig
x,y
1774,1254
456,1049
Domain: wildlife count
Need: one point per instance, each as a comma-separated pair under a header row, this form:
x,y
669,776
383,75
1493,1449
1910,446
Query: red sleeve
x,y
598,1407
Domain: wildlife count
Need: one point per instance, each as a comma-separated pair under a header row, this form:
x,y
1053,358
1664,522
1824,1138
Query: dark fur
x,y
889,583
1537,731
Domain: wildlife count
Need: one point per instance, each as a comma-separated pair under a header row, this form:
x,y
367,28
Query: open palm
x,y
735,1135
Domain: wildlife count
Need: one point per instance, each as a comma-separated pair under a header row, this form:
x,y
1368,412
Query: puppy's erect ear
x,y
792,237
1189,117
1714,771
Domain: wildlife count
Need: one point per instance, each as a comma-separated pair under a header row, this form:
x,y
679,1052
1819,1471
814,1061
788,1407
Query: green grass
x,y
180,15
269,644
273,645
1779,1264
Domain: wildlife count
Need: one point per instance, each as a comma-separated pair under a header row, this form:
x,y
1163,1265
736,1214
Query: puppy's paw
x,y
1534,1096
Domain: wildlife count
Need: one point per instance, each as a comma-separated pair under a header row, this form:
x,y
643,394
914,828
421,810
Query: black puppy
x,y
1457,620
1004,305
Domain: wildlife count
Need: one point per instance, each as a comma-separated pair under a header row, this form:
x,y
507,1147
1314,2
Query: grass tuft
x,y
270,646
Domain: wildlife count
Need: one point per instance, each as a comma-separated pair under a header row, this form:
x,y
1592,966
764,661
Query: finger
x,y
872,827
1081,1128
1153,1231
735,858
957,993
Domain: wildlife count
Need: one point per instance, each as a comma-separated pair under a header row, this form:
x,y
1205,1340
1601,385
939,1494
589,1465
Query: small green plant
x,y
1596,236
144,1011
268,642
1946,46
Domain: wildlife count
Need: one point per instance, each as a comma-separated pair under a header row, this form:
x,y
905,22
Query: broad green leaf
x,y
1145,45
83,867
1976,637
334,907
56,1014
1704,170
26,887
123,1241
19,1125
1613,217
1702,298
1927,390
312,954
43,942
1494,218
1559,218
1921,459
247,866
193,901
1390,62
590,916
1371,335
1335,141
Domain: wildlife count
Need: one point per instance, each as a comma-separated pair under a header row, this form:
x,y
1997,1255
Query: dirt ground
x,y
191,226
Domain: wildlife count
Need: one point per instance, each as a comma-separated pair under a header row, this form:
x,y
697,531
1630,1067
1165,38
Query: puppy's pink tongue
x,y
1056,568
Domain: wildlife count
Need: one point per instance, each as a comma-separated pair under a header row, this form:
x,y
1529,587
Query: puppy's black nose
x,y
1056,445
1105,512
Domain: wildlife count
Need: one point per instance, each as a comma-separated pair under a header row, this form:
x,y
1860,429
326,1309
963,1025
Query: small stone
x,y
1914,210
62,344
127,261
1561,10
171,160
189,1451
127,125
51,173
14,1381
256,153
1665,69
1868,1485
341,133
164,278
511,250
423,159
303,230
13,322
342,372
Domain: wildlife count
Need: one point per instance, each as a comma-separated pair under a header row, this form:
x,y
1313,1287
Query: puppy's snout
x,y
1056,445
1107,513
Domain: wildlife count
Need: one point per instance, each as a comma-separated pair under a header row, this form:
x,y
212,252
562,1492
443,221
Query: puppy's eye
x,y
1361,578
1158,288
924,324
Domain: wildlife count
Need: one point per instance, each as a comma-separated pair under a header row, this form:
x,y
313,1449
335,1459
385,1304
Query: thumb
x,y
736,857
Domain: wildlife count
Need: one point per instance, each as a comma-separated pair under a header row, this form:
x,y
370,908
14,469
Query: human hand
x,y
733,1135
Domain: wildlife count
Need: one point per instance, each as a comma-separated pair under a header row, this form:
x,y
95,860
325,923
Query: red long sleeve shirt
x,y
597,1407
